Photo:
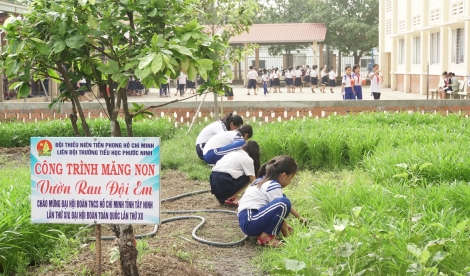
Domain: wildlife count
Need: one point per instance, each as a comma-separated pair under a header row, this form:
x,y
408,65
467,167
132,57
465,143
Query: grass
x,y
23,243
363,219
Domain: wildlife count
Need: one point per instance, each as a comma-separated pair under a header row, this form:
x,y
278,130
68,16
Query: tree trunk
x,y
127,115
73,119
127,244
216,108
357,58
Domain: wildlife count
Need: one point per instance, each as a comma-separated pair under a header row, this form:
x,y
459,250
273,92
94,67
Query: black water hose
x,y
195,237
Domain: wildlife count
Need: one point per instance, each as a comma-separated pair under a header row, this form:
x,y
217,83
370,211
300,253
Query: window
x,y
388,26
435,15
401,51
416,20
389,5
416,50
435,48
458,46
401,24
457,8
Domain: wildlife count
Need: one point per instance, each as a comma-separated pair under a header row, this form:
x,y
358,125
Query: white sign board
x,y
95,180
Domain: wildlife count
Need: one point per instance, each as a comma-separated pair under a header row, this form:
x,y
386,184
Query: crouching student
x,y
229,122
234,172
226,142
263,207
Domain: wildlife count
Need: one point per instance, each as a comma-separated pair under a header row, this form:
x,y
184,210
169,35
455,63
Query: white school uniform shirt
x,y
332,75
357,79
323,73
313,73
264,77
288,75
276,75
271,76
252,75
182,78
347,80
209,131
82,80
375,83
255,198
307,72
237,163
298,73
222,139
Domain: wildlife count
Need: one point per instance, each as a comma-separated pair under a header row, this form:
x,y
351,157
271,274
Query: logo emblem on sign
x,y
44,148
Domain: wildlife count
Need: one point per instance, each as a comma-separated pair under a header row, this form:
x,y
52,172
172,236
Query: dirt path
x,y
173,251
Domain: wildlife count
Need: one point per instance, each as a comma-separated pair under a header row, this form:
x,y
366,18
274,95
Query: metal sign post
x,y
98,249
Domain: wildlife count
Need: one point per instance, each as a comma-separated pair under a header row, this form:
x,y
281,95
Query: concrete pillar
x,y
314,48
445,47
408,62
393,64
53,88
424,61
245,80
320,53
235,70
257,58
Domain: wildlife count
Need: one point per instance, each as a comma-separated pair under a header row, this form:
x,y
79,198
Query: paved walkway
x,y
241,95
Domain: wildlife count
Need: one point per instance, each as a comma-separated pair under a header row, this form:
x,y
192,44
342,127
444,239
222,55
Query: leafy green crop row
x,y
16,134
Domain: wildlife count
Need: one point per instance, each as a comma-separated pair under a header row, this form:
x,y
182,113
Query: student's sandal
x,y
270,241
231,202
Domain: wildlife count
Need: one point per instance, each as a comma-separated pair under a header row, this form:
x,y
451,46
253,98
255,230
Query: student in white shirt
x,y
307,75
314,78
348,85
332,77
234,172
357,81
376,80
181,83
226,142
263,207
276,81
82,83
229,122
252,76
289,79
298,79
324,79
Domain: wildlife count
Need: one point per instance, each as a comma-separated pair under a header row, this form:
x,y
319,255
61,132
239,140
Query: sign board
x,y
95,180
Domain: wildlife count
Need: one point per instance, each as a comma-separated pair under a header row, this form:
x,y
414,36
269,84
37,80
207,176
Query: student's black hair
x,y
375,64
444,73
346,68
230,118
251,67
278,165
297,68
246,129
264,70
314,66
252,148
355,67
262,169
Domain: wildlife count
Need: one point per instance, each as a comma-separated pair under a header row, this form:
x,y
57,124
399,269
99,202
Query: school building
x,y
413,34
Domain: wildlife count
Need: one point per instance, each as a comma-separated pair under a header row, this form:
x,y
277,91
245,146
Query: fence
x,y
365,63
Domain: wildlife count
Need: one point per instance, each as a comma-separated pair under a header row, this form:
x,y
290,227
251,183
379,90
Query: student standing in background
x,y
182,83
324,79
252,76
314,78
376,80
348,85
357,81
264,78
332,77
298,79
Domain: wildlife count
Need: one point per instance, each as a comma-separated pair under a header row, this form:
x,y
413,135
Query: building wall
x,y
433,22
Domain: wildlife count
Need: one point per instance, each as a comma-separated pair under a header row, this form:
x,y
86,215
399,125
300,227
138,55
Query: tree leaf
x,y
157,63
183,50
205,63
59,46
53,73
76,41
146,60
109,68
82,2
191,71
294,265
92,21
184,64
24,90
42,46
15,85
154,40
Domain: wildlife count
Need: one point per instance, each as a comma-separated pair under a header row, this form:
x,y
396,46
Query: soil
x,y
172,251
